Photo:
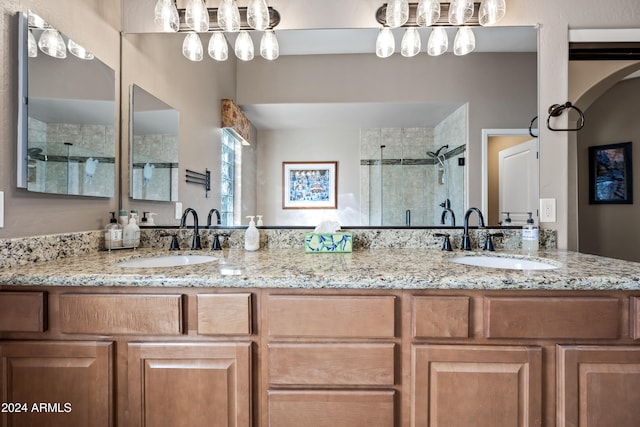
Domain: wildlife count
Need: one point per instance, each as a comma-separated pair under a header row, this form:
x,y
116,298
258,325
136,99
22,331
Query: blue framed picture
x,y
610,174
309,185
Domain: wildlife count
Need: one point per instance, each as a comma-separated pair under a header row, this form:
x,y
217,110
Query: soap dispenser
x,y
113,234
530,235
251,236
131,233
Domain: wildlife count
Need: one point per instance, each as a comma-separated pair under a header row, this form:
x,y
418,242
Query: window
x,y
227,177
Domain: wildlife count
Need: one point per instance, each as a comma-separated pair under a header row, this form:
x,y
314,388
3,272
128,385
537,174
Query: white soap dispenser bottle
x,y
131,233
530,235
251,236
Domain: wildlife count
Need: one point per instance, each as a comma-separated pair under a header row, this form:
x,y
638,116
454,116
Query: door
x,y
518,181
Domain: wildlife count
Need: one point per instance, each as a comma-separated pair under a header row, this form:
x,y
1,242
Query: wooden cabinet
x,y
56,383
189,384
23,311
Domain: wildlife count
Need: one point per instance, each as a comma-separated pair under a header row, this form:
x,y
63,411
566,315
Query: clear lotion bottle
x,y
530,235
251,236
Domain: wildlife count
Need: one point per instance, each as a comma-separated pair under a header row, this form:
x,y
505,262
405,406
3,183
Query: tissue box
x,y
327,242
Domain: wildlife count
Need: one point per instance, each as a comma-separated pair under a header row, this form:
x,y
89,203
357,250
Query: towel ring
x,y
531,126
557,109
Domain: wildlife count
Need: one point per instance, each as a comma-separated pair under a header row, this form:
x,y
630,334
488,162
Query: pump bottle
x,y
251,236
113,234
530,235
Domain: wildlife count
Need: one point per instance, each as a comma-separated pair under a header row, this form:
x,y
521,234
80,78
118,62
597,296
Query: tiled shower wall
x,y
161,152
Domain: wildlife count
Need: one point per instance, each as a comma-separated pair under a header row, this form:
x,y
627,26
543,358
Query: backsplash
x,y
26,250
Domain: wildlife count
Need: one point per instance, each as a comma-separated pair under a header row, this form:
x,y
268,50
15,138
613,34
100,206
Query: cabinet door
x,y
598,386
480,386
189,384
56,383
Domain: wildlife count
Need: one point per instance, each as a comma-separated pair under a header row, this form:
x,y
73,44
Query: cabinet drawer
x,y
112,314
635,317
331,316
440,317
23,311
331,364
224,314
312,408
551,317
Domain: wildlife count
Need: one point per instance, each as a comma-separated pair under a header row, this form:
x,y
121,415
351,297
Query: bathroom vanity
x,y
397,337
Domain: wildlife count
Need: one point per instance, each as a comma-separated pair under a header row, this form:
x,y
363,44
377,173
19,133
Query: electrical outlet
x,y
178,213
547,210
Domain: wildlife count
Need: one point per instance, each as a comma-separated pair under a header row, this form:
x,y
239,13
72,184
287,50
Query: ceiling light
x,y
460,11
465,41
229,16
438,42
52,44
218,48
258,15
428,12
244,46
491,11
32,46
385,43
166,16
397,13
192,47
35,21
79,51
410,42
196,16
269,48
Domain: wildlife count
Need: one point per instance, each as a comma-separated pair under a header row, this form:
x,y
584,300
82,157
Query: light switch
x,y
547,210
1,209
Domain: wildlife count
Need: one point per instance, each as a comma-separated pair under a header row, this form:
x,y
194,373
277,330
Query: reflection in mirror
x,y
154,147
70,121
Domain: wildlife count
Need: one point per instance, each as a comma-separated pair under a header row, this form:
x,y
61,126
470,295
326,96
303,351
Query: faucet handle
x,y
446,244
174,245
488,244
216,246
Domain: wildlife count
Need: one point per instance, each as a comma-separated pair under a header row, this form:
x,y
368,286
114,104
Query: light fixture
x,y
460,11
32,46
229,16
166,16
196,16
410,45
428,12
35,21
79,51
385,43
465,41
258,15
52,44
491,11
192,47
218,48
397,13
438,42
269,48
244,46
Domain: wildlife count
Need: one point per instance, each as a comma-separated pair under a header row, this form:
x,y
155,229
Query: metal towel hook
x,y
556,109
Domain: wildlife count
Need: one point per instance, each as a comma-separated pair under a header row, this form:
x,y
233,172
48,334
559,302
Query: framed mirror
x,y
153,147
67,115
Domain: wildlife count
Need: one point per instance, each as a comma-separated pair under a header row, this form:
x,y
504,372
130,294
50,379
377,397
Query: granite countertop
x,y
362,269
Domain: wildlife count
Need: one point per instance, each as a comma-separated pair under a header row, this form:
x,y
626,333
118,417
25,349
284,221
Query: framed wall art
x,y
610,174
309,185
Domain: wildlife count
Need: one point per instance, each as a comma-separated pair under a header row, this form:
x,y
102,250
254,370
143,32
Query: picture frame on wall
x,y
610,174
309,185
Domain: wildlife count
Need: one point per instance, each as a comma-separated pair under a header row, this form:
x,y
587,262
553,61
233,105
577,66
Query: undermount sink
x,y
510,263
166,261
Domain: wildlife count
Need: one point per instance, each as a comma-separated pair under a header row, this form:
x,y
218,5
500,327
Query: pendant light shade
x,y
438,42
79,51
258,15
410,42
32,46
460,11
269,48
397,13
218,48
192,47
52,44
196,16
35,21
428,12
244,46
385,43
465,41
229,16
166,16
491,11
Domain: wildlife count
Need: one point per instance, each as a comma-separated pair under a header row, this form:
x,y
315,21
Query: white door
x,y
518,181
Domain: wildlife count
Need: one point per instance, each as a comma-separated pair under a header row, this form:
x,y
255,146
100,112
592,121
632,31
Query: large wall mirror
x,y
153,147
67,138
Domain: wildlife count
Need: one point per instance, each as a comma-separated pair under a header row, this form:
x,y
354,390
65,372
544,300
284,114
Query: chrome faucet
x,y
196,233
444,217
211,212
466,241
